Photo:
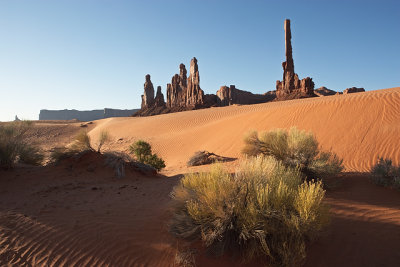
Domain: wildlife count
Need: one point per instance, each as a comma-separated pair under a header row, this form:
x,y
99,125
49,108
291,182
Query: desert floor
x,y
78,213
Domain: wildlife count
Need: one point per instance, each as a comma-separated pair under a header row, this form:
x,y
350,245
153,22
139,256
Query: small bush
x,y
81,142
385,174
104,138
117,161
263,210
296,149
14,147
142,152
80,145
30,155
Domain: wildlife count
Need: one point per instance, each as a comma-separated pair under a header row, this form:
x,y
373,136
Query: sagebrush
x,y
142,152
294,148
264,209
15,148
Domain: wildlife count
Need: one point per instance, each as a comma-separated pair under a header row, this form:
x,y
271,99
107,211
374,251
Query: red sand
x,y
80,214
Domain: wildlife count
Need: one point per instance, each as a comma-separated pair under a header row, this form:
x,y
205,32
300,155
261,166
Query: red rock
x,y
323,91
176,90
230,95
159,99
195,95
353,90
291,86
148,96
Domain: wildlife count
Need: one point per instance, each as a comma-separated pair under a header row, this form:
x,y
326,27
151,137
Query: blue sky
x,y
93,54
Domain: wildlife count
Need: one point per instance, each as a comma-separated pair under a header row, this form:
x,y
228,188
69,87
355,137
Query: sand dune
x,y
358,127
79,214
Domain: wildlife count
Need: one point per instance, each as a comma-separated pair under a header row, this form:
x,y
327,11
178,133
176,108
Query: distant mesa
x,y
86,115
185,93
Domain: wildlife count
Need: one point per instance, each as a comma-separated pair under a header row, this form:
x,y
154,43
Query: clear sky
x,y
94,54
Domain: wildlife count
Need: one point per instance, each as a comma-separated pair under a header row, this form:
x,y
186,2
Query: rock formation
x,y
230,95
291,86
353,90
177,89
148,96
185,92
323,91
194,96
159,99
205,157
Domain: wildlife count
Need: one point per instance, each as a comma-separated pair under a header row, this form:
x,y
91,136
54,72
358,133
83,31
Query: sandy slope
x,y
79,214
358,127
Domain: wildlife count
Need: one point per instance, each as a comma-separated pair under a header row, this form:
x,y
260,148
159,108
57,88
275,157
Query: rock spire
x,y
291,86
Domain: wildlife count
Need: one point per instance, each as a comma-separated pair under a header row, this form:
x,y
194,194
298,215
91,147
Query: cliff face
x,y
291,86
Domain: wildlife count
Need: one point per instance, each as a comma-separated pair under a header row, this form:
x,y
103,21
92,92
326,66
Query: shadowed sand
x,y
78,213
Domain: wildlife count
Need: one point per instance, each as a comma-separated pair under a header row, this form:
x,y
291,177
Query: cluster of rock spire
x,y
184,93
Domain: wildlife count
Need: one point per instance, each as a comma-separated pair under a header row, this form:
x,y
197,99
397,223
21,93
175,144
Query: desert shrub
x,y
385,174
142,152
155,161
103,138
81,142
263,210
30,155
294,148
117,161
14,146
79,145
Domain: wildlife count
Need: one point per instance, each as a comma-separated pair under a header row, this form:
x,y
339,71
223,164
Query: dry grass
x,y
14,147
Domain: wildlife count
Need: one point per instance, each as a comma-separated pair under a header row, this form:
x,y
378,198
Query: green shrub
x,y
263,210
155,161
14,147
384,173
142,152
296,149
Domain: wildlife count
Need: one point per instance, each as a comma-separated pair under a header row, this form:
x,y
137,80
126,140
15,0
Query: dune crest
x,y
358,127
